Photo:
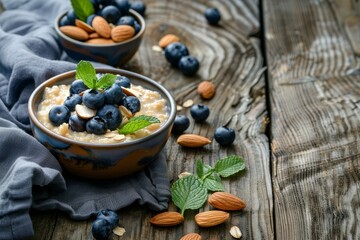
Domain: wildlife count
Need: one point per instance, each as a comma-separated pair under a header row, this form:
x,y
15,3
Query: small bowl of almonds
x,y
99,40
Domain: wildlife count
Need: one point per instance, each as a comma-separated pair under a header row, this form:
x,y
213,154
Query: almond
x,y
131,92
167,219
192,140
122,33
226,201
94,35
235,232
167,39
211,218
84,112
191,236
84,25
101,26
100,41
75,32
125,112
206,89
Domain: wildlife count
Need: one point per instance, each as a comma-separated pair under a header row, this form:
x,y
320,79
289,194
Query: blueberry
x,y
76,123
132,103
71,101
90,18
123,81
101,229
93,99
126,20
105,2
64,21
110,216
224,136
189,65
139,7
59,115
113,95
71,16
110,13
77,87
111,115
174,52
96,125
122,5
137,26
199,112
181,123
95,4
212,15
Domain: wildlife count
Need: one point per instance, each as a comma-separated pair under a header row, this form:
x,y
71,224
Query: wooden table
x,y
297,124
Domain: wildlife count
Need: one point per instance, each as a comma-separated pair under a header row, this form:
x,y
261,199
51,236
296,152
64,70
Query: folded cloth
x,y
30,177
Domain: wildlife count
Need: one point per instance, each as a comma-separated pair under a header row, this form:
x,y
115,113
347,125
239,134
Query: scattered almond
x,y
101,26
119,231
168,39
100,41
226,201
122,32
206,89
167,219
84,25
75,32
184,174
191,236
192,140
178,108
235,232
84,112
156,48
211,218
188,103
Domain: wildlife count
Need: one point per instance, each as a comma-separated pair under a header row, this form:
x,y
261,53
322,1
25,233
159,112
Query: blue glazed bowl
x,y
116,54
102,161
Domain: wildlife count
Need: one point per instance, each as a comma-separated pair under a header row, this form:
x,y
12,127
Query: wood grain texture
x,y
232,60
314,92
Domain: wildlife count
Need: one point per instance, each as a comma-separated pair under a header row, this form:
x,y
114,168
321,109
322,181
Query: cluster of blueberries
x,y
104,102
199,112
114,11
177,54
106,220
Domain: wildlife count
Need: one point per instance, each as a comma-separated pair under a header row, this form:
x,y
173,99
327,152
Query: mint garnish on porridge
x,y
137,123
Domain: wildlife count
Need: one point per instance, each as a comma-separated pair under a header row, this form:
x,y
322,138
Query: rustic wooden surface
x,y
231,59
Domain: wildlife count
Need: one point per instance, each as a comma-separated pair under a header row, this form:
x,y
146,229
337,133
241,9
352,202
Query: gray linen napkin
x,y
30,177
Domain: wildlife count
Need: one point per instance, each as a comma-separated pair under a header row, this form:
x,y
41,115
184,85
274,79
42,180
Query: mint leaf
x,y
229,166
106,81
87,73
188,193
137,123
199,168
82,8
213,183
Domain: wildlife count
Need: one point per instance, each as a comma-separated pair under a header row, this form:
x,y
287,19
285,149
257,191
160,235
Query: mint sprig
x,y
229,166
82,9
87,73
137,123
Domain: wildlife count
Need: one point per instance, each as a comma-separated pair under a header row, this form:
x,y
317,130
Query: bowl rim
x,y
74,41
51,81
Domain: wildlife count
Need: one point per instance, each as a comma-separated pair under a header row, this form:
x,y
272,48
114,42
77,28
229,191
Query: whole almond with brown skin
x,y
206,89
84,25
94,35
101,26
74,32
191,236
192,140
167,219
100,41
167,39
211,218
226,201
122,32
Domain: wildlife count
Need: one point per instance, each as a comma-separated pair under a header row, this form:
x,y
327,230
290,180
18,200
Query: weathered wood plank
x,y
314,93
233,61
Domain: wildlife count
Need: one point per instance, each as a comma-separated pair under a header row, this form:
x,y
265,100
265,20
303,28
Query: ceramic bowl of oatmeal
x,y
113,152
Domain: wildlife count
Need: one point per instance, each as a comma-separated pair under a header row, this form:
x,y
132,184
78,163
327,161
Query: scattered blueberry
x,y
174,52
111,115
76,123
181,123
137,26
113,94
77,87
71,16
139,7
126,20
110,216
132,103
123,6
110,13
90,19
59,115
189,65
224,136
93,99
199,112
96,125
71,101
101,229
123,81
64,21
212,15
